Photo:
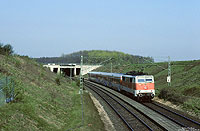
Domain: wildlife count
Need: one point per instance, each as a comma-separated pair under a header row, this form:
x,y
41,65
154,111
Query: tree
x,y
6,49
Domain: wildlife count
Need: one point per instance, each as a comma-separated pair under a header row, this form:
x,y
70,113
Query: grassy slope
x,y
42,104
185,88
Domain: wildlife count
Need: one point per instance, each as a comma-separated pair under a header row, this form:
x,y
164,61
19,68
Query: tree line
x,y
97,57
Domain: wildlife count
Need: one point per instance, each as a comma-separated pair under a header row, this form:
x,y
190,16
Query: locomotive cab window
x,y
141,80
149,80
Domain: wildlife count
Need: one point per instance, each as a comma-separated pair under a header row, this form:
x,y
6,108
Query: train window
x,y
148,80
141,80
123,78
131,79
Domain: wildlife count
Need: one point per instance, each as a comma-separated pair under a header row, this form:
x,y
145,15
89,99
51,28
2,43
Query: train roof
x,y
107,74
116,74
132,76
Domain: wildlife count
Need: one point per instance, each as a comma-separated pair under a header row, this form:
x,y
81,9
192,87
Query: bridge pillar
x,y
74,71
58,72
51,68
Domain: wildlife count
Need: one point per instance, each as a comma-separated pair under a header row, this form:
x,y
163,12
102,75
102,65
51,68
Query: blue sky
x,y
157,28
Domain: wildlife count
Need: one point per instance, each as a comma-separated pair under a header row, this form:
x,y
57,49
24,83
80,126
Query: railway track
x,y
133,119
171,117
178,118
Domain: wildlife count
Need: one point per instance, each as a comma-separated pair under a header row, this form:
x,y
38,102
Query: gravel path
x,y
116,122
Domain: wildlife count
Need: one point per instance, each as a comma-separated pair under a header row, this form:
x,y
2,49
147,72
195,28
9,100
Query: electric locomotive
x,y
140,87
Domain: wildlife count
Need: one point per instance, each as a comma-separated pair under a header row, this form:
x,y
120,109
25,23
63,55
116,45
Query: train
x,y
140,87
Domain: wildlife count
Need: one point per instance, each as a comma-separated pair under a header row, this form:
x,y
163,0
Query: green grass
x,y
185,86
44,100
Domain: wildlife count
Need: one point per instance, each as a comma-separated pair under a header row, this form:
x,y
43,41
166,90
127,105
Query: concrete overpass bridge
x,y
71,69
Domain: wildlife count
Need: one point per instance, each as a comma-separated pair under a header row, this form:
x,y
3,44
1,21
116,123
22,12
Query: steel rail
x,y
193,121
123,119
133,107
128,110
181,124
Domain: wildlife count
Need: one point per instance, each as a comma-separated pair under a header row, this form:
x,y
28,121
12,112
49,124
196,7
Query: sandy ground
x,y
167,103
104,116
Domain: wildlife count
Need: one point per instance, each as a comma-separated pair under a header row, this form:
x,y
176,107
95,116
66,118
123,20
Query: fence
x,y
7,86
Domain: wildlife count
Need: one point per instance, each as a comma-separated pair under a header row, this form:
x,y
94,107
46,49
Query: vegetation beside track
x,y
185,86
44,100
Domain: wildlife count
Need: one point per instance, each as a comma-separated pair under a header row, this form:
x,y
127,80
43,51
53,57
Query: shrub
x,y
193,105
77,81
17,64
193,91
57,80
171,94
6,49
19,91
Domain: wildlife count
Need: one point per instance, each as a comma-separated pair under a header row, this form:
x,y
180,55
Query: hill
x,y
97,57
185,87
43,100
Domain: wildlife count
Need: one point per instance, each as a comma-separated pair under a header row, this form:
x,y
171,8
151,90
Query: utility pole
x,y
111,68
81,76
81,89
169,72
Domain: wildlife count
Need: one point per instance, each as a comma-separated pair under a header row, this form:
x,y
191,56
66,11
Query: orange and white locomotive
x,y
140,87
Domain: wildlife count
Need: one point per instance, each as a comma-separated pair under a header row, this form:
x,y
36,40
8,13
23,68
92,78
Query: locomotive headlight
x,y
140,95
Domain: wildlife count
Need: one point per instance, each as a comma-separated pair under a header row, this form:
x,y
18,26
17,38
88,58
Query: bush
x,y
77,82
57,81
19,91
6,49
193,105
171,94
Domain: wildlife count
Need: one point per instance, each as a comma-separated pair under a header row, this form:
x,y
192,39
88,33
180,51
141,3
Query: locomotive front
x,y
144,87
